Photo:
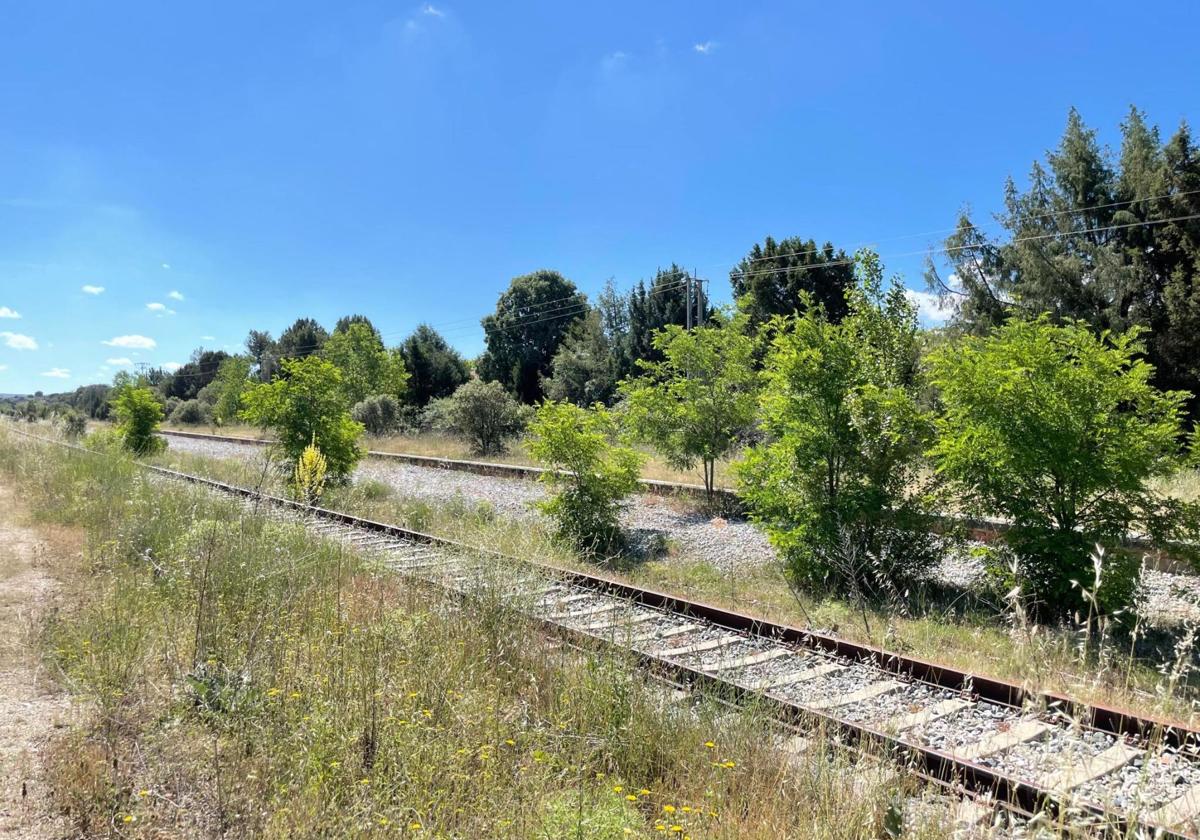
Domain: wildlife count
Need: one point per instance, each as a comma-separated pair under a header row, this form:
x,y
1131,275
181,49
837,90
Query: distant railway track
x,y
1031,752
976,527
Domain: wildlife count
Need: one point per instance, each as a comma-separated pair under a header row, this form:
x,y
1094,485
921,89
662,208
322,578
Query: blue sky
x,y
269,160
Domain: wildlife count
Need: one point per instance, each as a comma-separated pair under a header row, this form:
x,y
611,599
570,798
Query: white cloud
x,y
172,366
432,10
119,361
132,342
3,367
705,48
174,295
160,309
18,342
92,290
167,266
930,308
208,338
5,312
57,373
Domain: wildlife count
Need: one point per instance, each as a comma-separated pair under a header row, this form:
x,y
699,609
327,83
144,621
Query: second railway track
x,y
1032,752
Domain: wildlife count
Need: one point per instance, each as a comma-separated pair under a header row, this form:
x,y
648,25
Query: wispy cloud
x,y
91,290
175,295
160,309
208,338
3,367
17,341
5,312
432,10
119,361
57,373
132,342
172,366
167,266
705,48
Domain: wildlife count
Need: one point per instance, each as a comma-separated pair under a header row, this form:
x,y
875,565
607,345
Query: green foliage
x,y
584,368
187,382
366,366
73,424
307,406
138,414
304,337
695,403
485,415
523,334
589,475
190,413
1111,241
435,368
835,482
781,278
229,386
379,415
1058,430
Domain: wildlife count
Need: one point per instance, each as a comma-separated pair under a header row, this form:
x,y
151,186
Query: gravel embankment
x,y
727,545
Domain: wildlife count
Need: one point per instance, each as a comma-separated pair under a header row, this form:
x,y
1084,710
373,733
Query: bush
x,y
305,406
1059,430
74,424
380,414
191,413
138,415
589,475
834,484
437,417
486,416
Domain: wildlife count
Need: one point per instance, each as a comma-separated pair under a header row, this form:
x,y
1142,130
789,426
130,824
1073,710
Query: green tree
x,y
265,353
1058,430
138,414
485,415
649,310
1113,242
188,381
231,383
345,321
307,406
780,278
435,368
589,475
305,337
367,367
523,334
835,484
584,370
694,404
379,415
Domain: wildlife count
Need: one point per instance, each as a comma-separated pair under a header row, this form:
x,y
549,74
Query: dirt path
x,y
31,707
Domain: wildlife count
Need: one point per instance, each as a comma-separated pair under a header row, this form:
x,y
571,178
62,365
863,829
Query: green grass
x,y
981,639
243,678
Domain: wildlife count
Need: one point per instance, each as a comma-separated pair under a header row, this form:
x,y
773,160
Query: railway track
x,y
1029,752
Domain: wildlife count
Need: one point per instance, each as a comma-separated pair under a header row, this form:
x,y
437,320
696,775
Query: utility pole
x,y
701,301
688,300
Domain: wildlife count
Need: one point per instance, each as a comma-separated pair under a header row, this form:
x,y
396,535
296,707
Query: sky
x,y
173,175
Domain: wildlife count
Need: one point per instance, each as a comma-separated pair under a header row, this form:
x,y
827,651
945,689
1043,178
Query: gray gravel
x,y
728,545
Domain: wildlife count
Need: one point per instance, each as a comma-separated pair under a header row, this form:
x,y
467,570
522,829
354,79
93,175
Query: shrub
x,y
305,406
834,483
380,414
486,416
693,405
138,415
589,476
437,417
74,424
190,413
1059,430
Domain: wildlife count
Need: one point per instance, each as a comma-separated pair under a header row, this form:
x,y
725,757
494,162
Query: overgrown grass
x,y
248,679
983,638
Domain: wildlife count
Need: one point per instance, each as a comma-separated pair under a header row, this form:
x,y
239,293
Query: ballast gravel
x,y
730,546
